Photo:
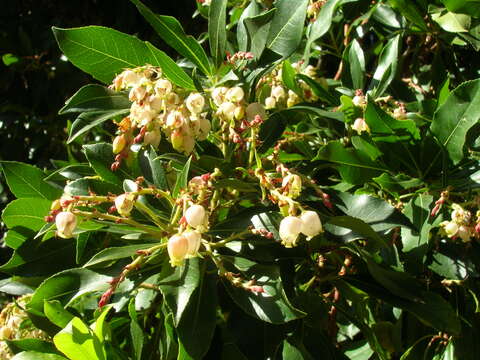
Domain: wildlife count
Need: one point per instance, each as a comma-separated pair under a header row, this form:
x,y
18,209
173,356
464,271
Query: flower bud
x,y
177,140
66,223
359,100
56,205
196,216
278,92
239,112
194,241
311,224
227,110
360,125
119,143
205,128
255,109
173,99
293,184
270,102
188,144
177,248
195,103
152,138
399,114
292,98
290,228
235,94
464,233
124,204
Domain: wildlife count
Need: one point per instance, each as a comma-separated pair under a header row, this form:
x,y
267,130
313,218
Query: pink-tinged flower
x,y
177,248
66,223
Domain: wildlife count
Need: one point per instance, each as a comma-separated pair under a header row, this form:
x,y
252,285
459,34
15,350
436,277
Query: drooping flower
x,y
290,228
311,224
66,223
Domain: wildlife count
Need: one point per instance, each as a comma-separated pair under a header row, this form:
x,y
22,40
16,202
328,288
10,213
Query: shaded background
x,y
35,81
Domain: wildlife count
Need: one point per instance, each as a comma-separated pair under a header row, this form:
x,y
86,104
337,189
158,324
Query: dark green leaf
x,y
272,305
40,346
104,53
456,116
257,29
322,24
170,30
410,11
356,59
216,29
115,253
285,32
182,178
386,68
100,157
152,168
359,227
242,37
95,98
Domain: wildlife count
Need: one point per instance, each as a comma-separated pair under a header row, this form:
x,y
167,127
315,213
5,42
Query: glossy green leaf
x,y
78,342
26,181
115,253
32,345
397,182
470,7
367,146
360,229
257,28
136,332
83,186
25,217
182,178
386,68
89,120
100,157
35,355
216,29
55,312
242,37
272,305
455,117
94,97
104,53
288,77
356,60
354,166
410,11
67,286
12,287
285,32
170,30
451,22
387,129
152,168
418,211
295,350
323,22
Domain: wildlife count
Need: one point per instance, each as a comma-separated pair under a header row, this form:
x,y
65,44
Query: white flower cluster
x,y
459,225
159,106
12,326
187,242
278,96
308,223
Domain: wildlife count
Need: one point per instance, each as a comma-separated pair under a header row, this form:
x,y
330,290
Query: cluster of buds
x,y
308,223
400,112
248,285
314,8
187,241
278,96
15,325
159,106
238,57
460,224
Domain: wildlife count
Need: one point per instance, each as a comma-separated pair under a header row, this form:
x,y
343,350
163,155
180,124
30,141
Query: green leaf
x,y
25,217
31,345
470,7
34,355
100,157
456,116
360,229
78,342
89,120
367,146
182,178
272,305
452,22
94,97
55,312
323,22
387,129
12,287
286,29
356,59
398,182
115,253
272,129
85,185
258,27
354,166
25,181
197,325
104,53
216,29
410,11
152,168
242,37
10,59
362,351
170,30
67,286
288,77
136,332
386,68
34,257
418,211
295,350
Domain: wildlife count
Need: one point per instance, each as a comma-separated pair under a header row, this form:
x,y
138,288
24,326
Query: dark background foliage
x,y
35,80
